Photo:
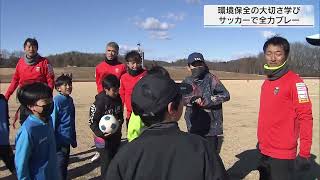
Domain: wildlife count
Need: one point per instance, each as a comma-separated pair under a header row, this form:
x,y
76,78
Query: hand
x,y
302,163
106,134
197,100
7,98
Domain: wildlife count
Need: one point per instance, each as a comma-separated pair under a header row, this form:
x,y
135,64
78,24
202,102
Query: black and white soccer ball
x,y
108,124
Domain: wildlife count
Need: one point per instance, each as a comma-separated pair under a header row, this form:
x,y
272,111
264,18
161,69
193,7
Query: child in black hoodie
x,y
107,102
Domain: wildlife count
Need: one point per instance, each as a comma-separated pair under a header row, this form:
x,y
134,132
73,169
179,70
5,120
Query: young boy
x,y
35,143
63,122
163,151
135,124
204,105
6,153
127,82
107,102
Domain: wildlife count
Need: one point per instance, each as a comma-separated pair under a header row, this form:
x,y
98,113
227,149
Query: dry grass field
x,y
240,124
86,74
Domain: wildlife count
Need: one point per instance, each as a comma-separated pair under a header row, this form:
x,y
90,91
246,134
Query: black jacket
x,y
163,152
104,105
206,120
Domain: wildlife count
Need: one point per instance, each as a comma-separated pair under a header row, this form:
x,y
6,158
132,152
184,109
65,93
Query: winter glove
x,y
302,163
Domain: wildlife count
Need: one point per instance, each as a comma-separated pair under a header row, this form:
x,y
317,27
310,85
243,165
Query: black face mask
x,y
199,72
134,72
47,110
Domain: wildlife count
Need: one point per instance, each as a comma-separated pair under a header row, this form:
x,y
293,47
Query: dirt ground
x,y
240,124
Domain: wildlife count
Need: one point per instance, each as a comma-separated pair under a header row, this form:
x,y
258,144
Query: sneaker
x,y
95,157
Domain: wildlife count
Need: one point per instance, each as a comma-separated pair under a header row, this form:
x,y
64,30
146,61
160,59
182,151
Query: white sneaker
x,y
95,157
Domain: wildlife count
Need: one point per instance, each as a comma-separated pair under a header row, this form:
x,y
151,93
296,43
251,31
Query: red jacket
x,y
285,115
40,72
103,69
127,84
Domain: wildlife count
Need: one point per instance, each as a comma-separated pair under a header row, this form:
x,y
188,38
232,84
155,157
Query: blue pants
x,y
63,154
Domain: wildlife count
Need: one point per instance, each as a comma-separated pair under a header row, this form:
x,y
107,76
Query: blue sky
x,y
167,29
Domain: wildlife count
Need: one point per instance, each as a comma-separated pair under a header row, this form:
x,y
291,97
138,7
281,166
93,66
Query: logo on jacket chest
x,y
43,140
117,70
276,90
37,69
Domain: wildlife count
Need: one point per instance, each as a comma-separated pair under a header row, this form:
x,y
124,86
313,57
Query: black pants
x,y
112,144
275,169
6,154
63,155
215,142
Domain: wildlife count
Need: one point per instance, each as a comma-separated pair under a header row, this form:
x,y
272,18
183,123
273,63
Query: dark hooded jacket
x,y
206,120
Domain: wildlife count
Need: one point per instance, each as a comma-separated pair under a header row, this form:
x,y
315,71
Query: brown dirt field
x,y
240,124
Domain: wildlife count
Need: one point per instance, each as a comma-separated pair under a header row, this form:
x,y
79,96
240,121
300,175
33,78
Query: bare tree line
x,y
304,59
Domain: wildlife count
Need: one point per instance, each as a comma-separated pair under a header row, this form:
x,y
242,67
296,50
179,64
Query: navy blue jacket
x,y
206,120
63,121
4,121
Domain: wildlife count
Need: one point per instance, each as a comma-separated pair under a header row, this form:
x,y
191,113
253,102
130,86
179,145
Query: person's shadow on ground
x,y
249,161
88,167
84,169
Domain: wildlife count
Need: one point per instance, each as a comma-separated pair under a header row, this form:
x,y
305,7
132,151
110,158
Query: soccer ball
x,y
108,124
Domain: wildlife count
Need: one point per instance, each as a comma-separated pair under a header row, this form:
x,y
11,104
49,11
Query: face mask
x,y
47,110
198,72
134,72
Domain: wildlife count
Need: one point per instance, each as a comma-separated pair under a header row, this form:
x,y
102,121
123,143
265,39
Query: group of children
x,y
47,124
45,136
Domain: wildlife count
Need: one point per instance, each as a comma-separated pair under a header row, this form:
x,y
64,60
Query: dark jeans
x,y
63,154
6,154
215,142
276,169
112,144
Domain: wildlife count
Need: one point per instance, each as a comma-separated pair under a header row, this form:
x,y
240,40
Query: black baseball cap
x,y
154,92
195,57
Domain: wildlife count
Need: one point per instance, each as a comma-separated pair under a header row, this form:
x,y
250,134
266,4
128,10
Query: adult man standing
x,y
110,65
30,68
285,115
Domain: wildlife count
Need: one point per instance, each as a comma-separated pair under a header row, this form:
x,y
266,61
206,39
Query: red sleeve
x,y
98,79
14,82
122,90
303,108
49,74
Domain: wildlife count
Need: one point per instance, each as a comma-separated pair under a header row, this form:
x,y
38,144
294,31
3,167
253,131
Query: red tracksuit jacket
x,y
285,115
40,72
127,84
103,69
